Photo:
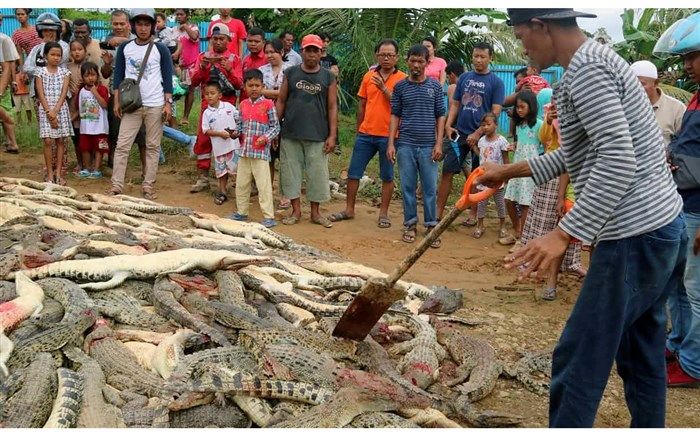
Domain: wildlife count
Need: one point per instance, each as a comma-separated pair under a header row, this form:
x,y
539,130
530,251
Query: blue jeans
x,y
413,162
177,135
363,152
685,308
619,316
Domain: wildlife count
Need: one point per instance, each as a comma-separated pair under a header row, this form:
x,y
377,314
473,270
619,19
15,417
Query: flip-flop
x,y
13,151
291,220
383,222
436,243
220,198
409,235
478,232
150,195
323,221
470,222
339,217
507,241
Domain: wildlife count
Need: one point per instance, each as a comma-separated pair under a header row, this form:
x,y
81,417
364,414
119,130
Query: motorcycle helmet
x,y
48,21
149,13
681,38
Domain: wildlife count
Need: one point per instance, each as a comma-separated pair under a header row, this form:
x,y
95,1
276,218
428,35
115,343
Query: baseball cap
x,y
311,40
645,69
520,16
220,29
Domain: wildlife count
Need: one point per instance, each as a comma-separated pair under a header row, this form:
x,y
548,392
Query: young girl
x,y
78,53
527,145
54,117
493,148
92,106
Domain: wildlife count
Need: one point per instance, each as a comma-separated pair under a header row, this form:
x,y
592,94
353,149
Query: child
x,y
532,80
54,117
92,107
527,145
165,34
493,148
20,96
78,54
260,127
221,122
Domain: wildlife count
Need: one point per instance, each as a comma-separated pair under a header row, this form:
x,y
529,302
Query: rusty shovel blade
x,y
375,297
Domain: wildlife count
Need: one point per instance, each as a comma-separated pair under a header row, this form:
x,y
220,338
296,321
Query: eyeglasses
x,y
386,55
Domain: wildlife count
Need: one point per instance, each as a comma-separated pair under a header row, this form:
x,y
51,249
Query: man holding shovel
x,y
626,204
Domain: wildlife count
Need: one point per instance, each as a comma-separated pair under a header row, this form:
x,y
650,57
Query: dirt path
x,y
515,320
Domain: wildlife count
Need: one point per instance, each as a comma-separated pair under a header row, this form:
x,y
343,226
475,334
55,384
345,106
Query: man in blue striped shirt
x,y
418,115
626,204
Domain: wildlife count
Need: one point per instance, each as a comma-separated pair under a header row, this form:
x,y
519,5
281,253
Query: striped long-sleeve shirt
x,y
612,148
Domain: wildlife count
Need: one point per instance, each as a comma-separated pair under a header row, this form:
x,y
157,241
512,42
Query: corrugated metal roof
x,y
10,23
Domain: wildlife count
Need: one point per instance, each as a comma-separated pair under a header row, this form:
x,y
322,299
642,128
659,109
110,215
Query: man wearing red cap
x,y
308,106
217,64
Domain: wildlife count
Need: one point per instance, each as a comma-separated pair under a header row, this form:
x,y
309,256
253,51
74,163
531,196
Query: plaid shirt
x,y
259,119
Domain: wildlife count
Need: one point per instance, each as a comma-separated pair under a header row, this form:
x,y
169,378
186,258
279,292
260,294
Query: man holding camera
x,y
221,65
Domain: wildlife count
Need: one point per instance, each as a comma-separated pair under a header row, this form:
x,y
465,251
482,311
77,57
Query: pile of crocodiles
x,y
110,318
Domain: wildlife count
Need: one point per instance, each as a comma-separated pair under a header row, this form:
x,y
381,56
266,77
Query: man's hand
x,y
539,254
473,138
329,147
117,109
167,111
107,57
377,80
696,244
560,208
551,114
225,64
391,152
493,176
449,132
437,152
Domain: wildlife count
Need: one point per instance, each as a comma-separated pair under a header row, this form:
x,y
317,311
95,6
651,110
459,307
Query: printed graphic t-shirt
x,y
306,111
476,93
219,119
93,117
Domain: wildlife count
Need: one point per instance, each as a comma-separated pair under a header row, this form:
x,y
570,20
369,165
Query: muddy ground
x,y
515,321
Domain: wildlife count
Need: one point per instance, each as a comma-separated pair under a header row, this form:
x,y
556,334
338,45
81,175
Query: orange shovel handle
x,y
468,197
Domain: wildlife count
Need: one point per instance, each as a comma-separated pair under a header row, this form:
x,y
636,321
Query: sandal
x,y
409,234
220,198
437,242
549,293
285,204
507,240
478,232
471,221
383,222
113,191
339,216
238,217
502,233
149,195
13,150
323,221
516,246
291,220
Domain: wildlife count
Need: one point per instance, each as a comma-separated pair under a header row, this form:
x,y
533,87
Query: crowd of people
x,y
586,166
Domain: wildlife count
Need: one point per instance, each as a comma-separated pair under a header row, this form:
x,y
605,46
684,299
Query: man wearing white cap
x,y
668,111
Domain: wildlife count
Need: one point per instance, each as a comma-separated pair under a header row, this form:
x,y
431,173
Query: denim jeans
x,y
685,308
179,136
366,146
413,162
619,316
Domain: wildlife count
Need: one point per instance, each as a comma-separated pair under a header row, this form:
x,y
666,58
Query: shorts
x,y
23,102
226,164
6,100
454,154
93,143
363,152
299,157
185,77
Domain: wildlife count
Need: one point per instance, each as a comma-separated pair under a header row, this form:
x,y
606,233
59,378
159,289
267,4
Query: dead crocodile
x,y
240,229
155,208
116,269
124,308
476,358
66,406
120,366
165,294
231,290
380,419
531,364
51,339
73,298
230,356
94,411
210,415
31,405
229,315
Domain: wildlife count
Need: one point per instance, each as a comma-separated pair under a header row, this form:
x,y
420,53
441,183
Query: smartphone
x,y
455,136
105,46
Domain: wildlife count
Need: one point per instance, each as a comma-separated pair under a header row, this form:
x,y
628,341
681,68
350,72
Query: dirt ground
x,y
514,321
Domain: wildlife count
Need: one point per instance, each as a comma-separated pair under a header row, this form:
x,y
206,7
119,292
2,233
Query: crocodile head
x,y
444,300
420,374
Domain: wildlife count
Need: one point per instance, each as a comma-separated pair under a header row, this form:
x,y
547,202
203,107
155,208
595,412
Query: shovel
x,y
377,294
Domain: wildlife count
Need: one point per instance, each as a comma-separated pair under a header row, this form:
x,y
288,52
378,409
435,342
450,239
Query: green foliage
x,y
88,14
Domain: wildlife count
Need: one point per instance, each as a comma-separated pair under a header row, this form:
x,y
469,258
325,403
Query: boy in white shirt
x,y
221,122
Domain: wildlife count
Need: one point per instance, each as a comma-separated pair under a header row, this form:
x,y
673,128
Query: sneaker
x,y
238,217
269,223
95,175
84,173
190,147
199,186
677,377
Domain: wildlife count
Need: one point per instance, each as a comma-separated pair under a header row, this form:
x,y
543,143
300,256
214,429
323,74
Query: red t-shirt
x,y
238,32
250,62
26,40
536,83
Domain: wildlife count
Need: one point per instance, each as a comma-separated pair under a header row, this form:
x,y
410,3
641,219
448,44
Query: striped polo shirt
x,y
612,148
418,105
